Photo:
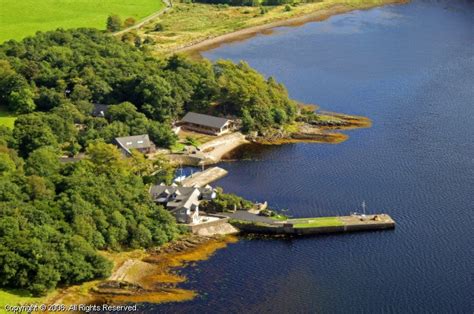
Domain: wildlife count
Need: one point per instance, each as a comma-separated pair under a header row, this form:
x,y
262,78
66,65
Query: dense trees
x,y
72,70
261,103
15,93
53,218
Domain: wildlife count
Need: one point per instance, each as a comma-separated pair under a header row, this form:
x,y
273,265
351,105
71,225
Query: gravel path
x,y
168,6
245,215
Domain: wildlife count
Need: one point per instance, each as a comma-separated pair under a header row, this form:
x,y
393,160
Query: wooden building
x,y
205,124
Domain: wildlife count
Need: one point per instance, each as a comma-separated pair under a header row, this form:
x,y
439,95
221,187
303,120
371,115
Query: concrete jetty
x,y
203,178
210,225
312,226
209,153
351,223
214,150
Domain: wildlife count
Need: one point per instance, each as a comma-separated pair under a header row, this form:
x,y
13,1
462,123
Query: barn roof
x,y
204,120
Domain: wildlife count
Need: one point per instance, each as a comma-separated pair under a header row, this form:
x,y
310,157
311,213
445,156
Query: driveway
x,y
246,216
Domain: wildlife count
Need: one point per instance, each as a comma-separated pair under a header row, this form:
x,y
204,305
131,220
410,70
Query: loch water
x,y
410,68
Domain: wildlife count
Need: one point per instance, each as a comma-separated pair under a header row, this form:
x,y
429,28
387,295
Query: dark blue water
x,y
410,69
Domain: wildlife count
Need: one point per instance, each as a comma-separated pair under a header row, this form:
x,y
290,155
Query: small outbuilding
x,y
99,110
142,143
204,123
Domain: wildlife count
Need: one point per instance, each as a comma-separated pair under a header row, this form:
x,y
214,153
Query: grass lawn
x,y
198,137
279,217
316,222
19,19
16,297
330,119
292,127
177,147
6,118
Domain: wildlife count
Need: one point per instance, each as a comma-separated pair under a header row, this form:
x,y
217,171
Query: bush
x,y
129,22
226,202
114,23
149,41
287,8
159,27
129,37
191,141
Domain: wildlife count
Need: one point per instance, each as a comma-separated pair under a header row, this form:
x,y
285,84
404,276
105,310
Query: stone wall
x,y
288,229
220,226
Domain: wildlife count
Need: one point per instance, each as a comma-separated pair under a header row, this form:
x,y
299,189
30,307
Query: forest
x,y
56,217
53,80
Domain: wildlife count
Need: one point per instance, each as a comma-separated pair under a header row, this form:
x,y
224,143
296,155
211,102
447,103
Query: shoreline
x,y
196,48
156,282
146,276
226,147
150,275
322,133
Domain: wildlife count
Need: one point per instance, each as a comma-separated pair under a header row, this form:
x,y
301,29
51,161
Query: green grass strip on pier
x,y
316,222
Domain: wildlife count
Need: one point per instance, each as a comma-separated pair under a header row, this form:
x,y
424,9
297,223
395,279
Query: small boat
x,y
181,177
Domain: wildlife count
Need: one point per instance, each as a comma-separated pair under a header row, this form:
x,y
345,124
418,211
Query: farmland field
x,y
19,19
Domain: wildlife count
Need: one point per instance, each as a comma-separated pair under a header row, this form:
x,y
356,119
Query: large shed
x,y
204,123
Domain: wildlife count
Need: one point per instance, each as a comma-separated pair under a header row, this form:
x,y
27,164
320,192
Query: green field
x,y
20,18
7,119
16,297
316,222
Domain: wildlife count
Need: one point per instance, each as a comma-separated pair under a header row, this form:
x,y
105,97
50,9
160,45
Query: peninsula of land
x,y
196,148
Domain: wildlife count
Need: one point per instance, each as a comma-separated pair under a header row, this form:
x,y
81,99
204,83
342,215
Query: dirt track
x,y
168,6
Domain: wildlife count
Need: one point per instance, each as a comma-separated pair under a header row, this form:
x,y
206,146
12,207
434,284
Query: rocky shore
x,y
147,276
150,276
320,131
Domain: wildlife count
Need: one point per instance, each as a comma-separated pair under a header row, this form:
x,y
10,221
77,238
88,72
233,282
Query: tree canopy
x,y
61,75
54,217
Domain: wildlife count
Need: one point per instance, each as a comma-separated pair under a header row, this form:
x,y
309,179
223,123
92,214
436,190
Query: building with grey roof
x,y
182,202
204,123
99,110
142,143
